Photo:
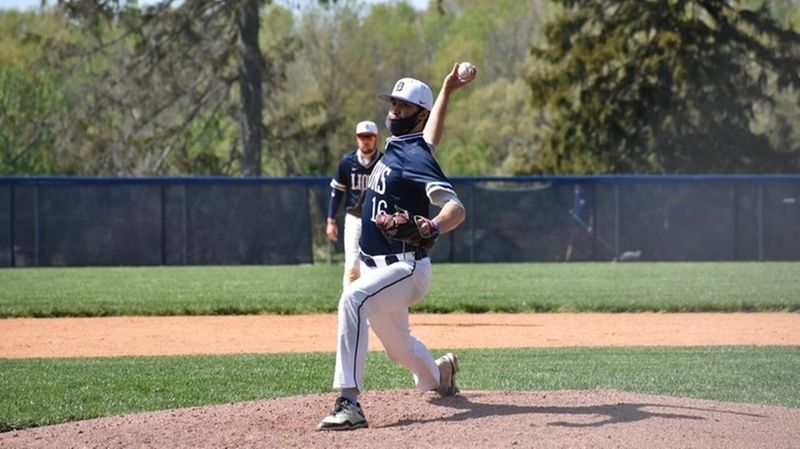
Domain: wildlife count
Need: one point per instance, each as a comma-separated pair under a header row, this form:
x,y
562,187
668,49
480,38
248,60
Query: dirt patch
x,y
566,419
119,336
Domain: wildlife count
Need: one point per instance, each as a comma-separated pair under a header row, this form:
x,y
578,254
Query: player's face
x,y
367,143
402,109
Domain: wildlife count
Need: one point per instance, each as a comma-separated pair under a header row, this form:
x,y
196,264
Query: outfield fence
x,y
77,221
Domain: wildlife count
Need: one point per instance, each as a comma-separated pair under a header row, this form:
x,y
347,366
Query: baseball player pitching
x,y
350,180
396,235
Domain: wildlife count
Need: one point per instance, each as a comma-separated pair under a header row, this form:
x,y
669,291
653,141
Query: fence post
x,y
163,223
616,219
760,221
472,223
736,251
185,219
36,224
11,225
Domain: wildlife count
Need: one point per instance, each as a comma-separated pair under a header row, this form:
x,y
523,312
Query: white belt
x,y
388,259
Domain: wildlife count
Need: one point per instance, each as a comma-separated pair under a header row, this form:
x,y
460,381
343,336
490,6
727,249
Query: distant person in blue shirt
x,y
582,216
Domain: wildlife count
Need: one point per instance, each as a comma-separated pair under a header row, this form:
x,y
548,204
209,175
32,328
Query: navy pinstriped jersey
x,y
403,176
351,178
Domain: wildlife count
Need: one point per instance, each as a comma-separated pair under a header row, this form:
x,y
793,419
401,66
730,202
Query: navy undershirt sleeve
x,y
333,204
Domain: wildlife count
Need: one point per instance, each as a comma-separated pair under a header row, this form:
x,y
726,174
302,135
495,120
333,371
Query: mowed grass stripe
x,y
530,287
48,391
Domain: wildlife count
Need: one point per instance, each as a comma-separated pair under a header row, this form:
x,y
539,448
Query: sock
x,y
350,394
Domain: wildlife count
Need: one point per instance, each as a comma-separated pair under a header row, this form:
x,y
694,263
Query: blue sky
x,y
33,4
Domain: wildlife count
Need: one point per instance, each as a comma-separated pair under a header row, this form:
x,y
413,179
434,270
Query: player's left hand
x,y
332,230
417,231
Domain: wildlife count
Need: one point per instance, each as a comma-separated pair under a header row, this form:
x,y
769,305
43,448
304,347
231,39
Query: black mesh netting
x,y
209,221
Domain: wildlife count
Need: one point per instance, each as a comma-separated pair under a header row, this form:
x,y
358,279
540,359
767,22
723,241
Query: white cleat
x,y
448,367
345,416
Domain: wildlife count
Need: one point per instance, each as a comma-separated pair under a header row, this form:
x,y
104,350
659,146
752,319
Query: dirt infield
x,y
403,419
409,419
87,337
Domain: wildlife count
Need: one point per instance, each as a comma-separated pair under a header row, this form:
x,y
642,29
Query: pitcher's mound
x,y
406,419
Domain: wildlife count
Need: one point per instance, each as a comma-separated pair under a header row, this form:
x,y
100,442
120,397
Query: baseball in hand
x,y
464,69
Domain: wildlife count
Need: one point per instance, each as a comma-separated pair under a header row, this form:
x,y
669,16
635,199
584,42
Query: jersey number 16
x,y
378,207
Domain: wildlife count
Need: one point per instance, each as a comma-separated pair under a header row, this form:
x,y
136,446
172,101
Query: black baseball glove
x,y
417,231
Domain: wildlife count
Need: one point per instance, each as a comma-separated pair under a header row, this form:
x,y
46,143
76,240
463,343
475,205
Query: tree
x,y
491,127
162,78
346,55
26,101
250,77
657,86
28,97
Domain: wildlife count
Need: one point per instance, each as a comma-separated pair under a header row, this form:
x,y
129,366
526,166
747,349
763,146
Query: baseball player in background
x,y
351,177
394,274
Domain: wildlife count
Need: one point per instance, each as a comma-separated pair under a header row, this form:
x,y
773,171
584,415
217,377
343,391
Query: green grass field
x,y
584,287
46,391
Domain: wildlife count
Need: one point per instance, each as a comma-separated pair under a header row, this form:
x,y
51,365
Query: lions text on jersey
x,y
351,178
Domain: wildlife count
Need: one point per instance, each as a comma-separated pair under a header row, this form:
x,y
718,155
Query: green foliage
x,y
662,86
210,148
27,102
29,97
152,89
499,139
645,86
590,287
39,392
491,126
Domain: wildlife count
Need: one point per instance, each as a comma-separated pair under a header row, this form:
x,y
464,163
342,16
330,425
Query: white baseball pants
x,y
352,232
381,298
